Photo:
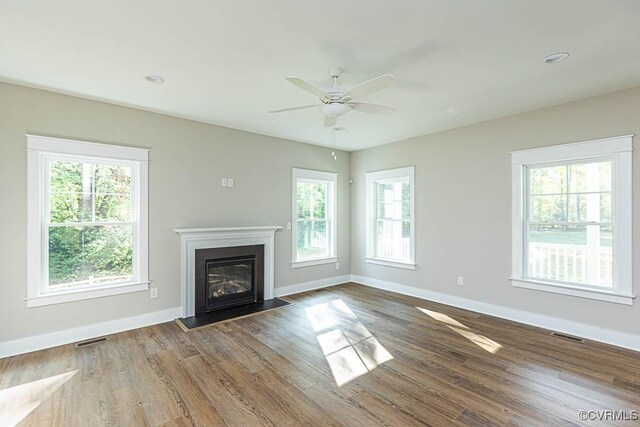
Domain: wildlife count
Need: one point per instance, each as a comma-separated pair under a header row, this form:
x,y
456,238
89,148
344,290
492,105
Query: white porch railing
x,y
568,263
390,248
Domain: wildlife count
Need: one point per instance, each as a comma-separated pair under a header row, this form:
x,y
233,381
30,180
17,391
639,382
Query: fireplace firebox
x,y
228,277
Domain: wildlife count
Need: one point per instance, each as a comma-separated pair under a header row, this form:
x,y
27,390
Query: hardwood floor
x,y
346,355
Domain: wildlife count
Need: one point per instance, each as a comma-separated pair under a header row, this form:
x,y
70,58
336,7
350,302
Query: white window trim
x,y
619,150
40,148
371,206
331,209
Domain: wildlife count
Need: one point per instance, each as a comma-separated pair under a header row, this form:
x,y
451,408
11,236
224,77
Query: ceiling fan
x,y
336,101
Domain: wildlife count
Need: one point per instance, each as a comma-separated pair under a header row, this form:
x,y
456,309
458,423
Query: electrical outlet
x,y
229,182
288,226
153,293
224,182
460,280
337,266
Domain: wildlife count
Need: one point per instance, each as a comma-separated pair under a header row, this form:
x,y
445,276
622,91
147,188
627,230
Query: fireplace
x,y
201,245
228,277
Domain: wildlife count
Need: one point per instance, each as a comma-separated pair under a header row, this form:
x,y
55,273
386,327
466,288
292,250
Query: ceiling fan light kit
x,y
335,109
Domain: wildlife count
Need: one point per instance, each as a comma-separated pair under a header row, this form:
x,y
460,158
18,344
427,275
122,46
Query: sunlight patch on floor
x,y
328,315
481,341
349,347
19,401
441,317
346,365
372,353
332,341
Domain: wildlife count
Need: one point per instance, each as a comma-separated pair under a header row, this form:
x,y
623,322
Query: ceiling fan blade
x,y
330,121
313,89
282,110
366,107
371,86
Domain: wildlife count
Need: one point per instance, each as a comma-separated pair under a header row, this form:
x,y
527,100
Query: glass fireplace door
x,y
230,282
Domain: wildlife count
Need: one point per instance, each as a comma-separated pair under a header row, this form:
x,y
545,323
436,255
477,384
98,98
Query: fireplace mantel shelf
x,y
183,231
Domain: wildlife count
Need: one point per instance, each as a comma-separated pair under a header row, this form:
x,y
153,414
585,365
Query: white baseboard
x,y
54,339
39,342
595,333
309,286
621,339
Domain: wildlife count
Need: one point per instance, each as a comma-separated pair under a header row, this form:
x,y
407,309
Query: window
x,y
87,220
572,219
390,218
314,210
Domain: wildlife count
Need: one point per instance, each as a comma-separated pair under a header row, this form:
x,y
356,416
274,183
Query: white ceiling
x,y
224,61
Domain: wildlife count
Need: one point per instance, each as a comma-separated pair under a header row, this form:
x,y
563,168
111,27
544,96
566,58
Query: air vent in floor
x,y
567,337
90,342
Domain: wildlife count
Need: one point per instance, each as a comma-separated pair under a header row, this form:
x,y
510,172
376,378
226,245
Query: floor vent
x,y
567,337
90,342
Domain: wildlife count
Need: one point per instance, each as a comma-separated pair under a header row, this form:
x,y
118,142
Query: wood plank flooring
x,y
346,355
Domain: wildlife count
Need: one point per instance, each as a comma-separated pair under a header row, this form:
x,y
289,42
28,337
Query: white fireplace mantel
x,y
205,238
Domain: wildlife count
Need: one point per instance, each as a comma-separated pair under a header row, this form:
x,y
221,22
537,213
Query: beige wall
x,y
463,206
187,161
463,198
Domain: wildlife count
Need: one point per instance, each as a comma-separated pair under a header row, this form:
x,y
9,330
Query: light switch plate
x,y
229,182
224,182
153,293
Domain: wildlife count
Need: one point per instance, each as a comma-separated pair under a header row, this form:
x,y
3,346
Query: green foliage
x,y
562,193
311,236
567,235
311,219
102,252
561,196
89,193
311,200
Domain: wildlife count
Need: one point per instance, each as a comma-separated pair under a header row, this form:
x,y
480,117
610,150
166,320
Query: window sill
x,y
389,263
82,294
601,295
311,262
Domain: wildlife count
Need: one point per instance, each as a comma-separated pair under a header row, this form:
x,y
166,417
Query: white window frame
x,y
618,150
312,176
41,149
372,178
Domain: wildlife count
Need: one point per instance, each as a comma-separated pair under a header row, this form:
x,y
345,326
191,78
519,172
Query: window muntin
x,y
390,218
90,227
568,227
314,213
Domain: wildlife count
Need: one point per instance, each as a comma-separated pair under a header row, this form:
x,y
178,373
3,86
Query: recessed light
x,y
555,58
153,78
